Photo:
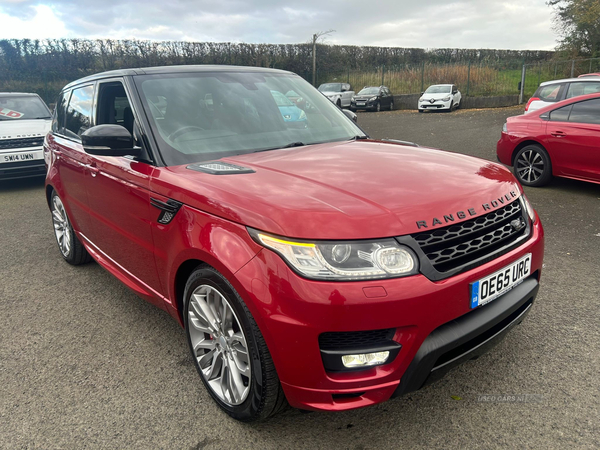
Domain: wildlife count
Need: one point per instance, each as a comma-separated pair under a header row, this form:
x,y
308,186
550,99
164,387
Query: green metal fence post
x,y
468,78
382,73
540,74
423,77
523,72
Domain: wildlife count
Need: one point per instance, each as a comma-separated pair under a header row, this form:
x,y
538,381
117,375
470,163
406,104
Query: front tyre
x,y
71,248
378,107
228,349
533,166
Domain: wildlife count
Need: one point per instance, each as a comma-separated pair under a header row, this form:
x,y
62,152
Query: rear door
x,y
574,139
72,117
119,195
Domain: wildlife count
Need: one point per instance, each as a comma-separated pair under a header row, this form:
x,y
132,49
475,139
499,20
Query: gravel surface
x,y
84,363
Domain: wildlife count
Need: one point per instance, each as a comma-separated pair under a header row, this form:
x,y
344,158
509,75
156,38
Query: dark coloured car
x,y
561,140
308,264
373,98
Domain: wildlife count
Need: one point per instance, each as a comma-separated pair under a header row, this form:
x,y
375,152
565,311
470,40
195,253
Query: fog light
x,y
365,359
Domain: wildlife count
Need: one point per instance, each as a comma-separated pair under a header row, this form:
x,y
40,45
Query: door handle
x,y
92,168
558,133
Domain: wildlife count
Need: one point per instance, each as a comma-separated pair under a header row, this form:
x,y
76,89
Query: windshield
x,y
23,107
331,87
208,115
438,89
369,91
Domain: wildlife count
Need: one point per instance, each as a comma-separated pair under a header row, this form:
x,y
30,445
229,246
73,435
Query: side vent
x,y
219,168
168,209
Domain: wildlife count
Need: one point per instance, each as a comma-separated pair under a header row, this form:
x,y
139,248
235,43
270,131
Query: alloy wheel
x,y
62,228
530,166
219,345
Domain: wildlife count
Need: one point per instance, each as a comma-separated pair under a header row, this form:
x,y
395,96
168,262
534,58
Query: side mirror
x,y
422,93
350,115
109,140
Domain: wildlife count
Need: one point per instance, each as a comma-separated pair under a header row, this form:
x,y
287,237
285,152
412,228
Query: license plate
x,y
360,103
21,156
493,286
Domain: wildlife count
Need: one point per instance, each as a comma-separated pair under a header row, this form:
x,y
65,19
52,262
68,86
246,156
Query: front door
x,y
119,195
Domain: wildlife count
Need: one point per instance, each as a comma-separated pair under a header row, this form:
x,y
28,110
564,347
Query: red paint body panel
x,y
340,190
574,148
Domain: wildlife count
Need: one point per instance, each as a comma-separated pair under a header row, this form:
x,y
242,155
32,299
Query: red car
x,y
310,265
561,140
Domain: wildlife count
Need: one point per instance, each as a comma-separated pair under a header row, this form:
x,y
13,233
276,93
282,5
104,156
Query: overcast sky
x,y
508,24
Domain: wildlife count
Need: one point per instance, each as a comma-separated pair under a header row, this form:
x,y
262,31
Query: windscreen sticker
x,y
10,113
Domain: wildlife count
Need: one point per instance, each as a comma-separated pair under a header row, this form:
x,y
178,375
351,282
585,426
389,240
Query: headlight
x,y
372,99
528,207
421,99
446,99
343,260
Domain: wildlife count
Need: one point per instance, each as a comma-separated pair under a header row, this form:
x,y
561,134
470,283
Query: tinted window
x,y
58,118
583,88
79,111
586,112
561,114
549,93
113,106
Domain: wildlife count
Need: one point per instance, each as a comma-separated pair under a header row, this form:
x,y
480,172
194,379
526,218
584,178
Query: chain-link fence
x,y
555,70
481,79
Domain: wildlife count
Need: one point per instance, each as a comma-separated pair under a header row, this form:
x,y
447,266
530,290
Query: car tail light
x,y
529,102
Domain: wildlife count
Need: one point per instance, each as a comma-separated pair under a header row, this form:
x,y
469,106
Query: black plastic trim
x,y
168,209
465,337
332,359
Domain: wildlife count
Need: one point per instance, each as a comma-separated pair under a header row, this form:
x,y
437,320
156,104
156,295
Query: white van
x,y
24,122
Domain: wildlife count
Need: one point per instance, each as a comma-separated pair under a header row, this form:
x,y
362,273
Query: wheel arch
x,y
184,271
49,189
525,144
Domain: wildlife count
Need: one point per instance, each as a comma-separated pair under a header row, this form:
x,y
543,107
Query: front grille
x,y
355,339
457,245
21,143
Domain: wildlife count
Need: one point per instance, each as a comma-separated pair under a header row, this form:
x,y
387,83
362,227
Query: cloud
x,y
503,24
38,22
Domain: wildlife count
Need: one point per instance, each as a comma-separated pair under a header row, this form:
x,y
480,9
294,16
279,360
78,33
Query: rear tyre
x,y
420,110
228,349
71,248
533,166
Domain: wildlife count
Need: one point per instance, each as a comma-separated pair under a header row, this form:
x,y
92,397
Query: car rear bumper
x,y
430,321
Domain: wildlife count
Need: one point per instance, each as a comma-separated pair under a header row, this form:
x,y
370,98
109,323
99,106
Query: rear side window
x,y
582,88
586,112
58,118
79,112
551,93
561,114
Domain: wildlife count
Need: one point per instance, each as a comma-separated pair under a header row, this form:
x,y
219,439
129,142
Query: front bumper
x,y
432,322
438,104
366,106
22,169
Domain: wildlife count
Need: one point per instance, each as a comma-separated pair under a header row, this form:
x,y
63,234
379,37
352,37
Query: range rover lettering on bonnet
x,y
460,215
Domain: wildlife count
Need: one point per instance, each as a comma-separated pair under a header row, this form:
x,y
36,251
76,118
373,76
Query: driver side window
x,y
114,106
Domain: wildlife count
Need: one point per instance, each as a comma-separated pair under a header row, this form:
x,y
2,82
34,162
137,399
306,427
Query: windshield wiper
x,y
290,145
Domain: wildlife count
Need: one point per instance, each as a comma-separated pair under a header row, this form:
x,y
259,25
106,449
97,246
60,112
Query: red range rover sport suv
x,y
307,263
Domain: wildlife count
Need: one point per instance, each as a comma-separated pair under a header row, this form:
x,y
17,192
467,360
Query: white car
x,y
440,96
339,93
24,122
550,92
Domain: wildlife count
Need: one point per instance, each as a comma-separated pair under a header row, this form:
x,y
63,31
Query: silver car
x,y
554,91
